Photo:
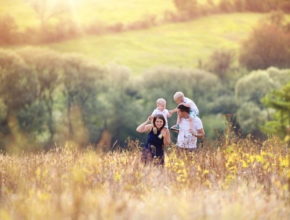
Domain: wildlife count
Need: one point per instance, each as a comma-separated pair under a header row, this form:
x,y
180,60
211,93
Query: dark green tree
x,y
123,105
279,100
18,92
46,66
82,81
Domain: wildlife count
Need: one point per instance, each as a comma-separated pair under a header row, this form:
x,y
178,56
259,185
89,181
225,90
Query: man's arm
x,y
200,133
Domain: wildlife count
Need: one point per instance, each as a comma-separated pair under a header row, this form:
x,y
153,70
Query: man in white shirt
x,y
187,139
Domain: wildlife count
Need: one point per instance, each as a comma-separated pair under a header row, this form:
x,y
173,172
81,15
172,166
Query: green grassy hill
x,y
179,44
87,12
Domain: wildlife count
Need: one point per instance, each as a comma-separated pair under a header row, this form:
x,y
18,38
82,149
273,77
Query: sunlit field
x,y
242,180
181,44
93,11
178,44
79,80
88,12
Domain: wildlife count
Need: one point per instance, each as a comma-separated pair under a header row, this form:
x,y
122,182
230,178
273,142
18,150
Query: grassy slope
x,y
180,44
90,11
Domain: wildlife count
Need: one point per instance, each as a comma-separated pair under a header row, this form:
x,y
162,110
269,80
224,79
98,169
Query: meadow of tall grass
x,y
239,179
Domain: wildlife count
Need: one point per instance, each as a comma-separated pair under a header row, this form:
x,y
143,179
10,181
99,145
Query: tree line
x,y
47,98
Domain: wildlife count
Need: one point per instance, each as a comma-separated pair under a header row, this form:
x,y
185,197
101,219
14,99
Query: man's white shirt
x,y
185,139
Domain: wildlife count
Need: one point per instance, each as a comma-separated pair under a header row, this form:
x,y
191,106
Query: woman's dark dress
x,y
153,148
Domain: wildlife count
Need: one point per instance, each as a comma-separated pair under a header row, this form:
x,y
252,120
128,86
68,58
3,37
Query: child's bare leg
x,y
191,125
178,120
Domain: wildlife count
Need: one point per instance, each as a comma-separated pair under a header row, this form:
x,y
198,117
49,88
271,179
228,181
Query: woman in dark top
x,y
158,137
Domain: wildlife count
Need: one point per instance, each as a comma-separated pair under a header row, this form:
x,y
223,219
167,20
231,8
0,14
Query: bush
x,y
220,62
8,30
187,7
268,45
251,117
249,91
214,126
253,87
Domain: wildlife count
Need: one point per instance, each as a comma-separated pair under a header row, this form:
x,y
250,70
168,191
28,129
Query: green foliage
x,y
57,97
214,125
279,100
46,65
123,109
164,82
21,90
251,117
225,104
249,91
82,81
3,111
252,87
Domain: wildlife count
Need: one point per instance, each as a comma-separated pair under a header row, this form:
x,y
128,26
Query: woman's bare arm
x,y
144,127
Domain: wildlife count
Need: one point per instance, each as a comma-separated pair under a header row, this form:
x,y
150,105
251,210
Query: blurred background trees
x,y
57,97
48,98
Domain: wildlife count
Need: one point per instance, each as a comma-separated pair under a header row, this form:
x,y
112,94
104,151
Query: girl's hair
x,y
161,100
159,116
183,108
178,95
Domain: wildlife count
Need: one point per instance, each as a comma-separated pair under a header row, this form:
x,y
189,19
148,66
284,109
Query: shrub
x,y
268,45
220,62
8,30
249,91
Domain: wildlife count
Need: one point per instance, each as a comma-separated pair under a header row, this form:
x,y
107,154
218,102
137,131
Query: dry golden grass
x,y
241,180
